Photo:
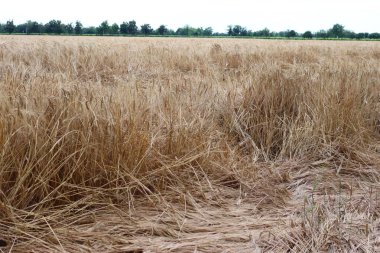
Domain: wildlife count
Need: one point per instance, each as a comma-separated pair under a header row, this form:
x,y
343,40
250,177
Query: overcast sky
x,y
277,15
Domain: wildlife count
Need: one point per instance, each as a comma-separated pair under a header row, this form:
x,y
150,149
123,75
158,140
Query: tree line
x,y
131,28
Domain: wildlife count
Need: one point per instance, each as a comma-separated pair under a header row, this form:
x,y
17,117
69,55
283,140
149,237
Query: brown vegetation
x,y
182,145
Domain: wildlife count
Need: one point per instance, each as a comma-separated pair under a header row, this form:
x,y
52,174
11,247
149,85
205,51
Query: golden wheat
x,y
123,144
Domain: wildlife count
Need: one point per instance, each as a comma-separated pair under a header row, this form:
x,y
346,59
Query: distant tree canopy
x,y
291,34
192,31
33,27
114,28
237,30
78,28
104,28
162,30
69,28
54,26
146,29
336,31
9,27
129,28
132,29
208,31
307,35
89,30
263,33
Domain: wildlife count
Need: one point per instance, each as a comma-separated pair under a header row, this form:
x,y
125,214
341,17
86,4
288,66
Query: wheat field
x,y
189,145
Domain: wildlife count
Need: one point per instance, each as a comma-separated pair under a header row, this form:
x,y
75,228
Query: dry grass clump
x,y
193,144
287,114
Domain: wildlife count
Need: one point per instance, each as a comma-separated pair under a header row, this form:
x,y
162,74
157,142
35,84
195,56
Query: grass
x,y
147,144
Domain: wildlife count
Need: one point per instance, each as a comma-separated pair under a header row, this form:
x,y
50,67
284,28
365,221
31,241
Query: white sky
x,y
277,15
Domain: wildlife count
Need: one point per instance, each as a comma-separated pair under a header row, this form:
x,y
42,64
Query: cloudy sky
x,y
277,15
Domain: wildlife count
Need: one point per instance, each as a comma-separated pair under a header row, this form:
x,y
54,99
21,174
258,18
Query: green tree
x,y
69,28
243,31
146,29
132,27
20,28
198,31
337,31
89,30
349,34
78,27
184,31
360,36
9,27
208,31
230,31
33,27
54,26
236,30
129,28
162,30
321,34
104,28
374,36
189,31
307,35
291,34
124,28
114,28
262,33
